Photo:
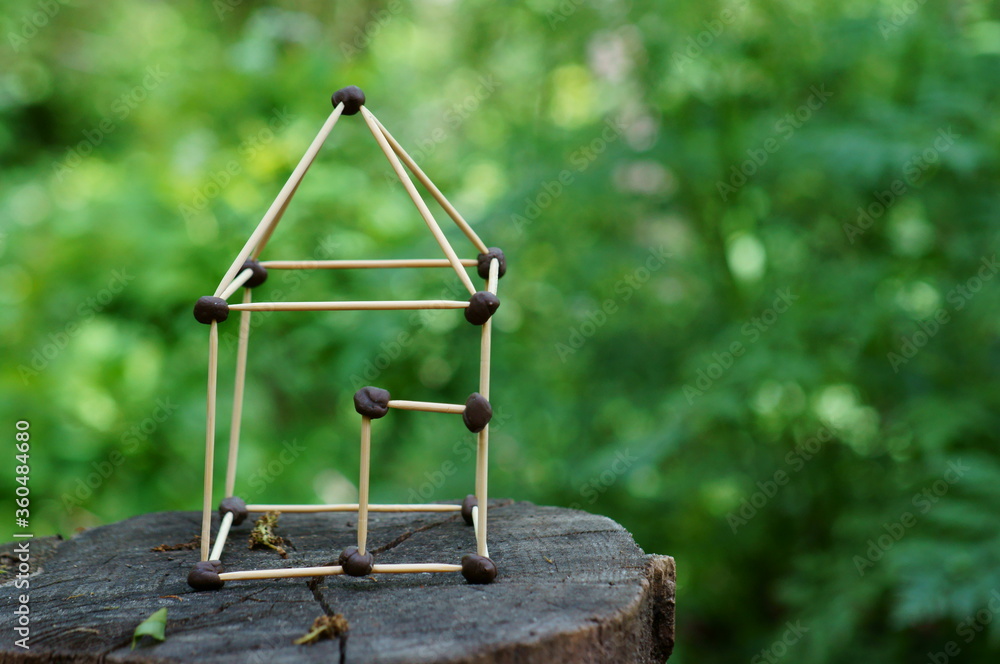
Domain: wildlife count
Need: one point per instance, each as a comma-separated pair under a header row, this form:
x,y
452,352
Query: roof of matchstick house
x,y
247,270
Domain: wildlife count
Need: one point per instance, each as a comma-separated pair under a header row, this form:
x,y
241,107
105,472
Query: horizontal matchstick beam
x,y
363,264
427,406
353,507
360,305
331,570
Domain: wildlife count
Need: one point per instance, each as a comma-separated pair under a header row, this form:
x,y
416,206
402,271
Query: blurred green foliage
x,y
750,312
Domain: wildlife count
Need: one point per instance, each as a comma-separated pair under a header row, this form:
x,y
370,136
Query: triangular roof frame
x,y
397,157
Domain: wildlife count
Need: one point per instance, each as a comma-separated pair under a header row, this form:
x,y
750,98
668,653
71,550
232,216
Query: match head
x,y
259,275
372,402
209,309
478,412
205,575
352,97
478,569
483,263
481,307
235,505
354,563
467,505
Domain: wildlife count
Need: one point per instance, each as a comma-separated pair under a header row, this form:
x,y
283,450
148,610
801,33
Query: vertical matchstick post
x,y
483,441
366,445
238,388
213,365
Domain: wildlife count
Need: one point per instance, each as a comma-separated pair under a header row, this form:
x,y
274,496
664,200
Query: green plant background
x,y
137,156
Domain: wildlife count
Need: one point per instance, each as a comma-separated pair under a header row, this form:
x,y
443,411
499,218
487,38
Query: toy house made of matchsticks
x,y
371,403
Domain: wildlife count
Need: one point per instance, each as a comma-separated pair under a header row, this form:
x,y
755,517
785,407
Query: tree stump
x,y
572,587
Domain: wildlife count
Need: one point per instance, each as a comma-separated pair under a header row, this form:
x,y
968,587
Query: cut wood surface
x,y
572,587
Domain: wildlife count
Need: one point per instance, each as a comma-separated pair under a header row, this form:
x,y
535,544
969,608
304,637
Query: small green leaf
x,y
153,626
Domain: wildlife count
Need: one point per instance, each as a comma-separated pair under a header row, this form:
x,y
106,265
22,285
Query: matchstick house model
x,y
370,402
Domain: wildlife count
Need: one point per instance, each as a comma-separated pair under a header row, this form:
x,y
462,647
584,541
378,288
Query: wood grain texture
x,y
600,599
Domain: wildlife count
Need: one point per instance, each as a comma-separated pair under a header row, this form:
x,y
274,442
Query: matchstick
x,y
273,214
274,223
291,573
483,549
365,264
366,449
482,493
427,406
411,568
240,382
491,283
220,539
213,365
435,192
240,279
353,507
359,305
417,200
483,440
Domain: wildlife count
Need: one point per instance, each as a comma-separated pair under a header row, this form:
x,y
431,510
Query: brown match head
x,y
205,575
356,564
372,402
351,96
481,307
478,412
483,263
478,569
467,505
209,309
259,275
235,505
